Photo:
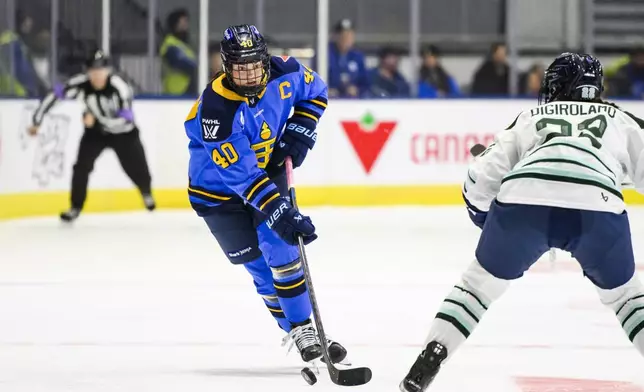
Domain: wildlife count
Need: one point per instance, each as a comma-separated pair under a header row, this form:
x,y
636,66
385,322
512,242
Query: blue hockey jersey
x,y
232,137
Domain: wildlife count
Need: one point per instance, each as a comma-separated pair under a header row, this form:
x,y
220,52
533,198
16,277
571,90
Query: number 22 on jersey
x,y
593,128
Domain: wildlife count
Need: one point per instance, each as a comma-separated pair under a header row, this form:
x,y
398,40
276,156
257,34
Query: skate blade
x,y
315,365
345,362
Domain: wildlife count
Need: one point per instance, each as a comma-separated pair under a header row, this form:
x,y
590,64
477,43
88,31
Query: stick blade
x,y
477,149
351,377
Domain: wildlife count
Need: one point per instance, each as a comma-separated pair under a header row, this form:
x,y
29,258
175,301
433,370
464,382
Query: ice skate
x,y
70,215
306,340
425,368
337,352
149,202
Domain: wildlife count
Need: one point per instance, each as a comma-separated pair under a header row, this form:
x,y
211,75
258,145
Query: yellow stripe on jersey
x,y
250,194
275,196
209,194
319,103
306,115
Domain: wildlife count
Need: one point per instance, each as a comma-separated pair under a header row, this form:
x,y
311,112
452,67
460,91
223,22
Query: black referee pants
x,y
128,149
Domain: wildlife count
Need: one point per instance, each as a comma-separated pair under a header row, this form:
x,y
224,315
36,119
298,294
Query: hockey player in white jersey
x,y
551,179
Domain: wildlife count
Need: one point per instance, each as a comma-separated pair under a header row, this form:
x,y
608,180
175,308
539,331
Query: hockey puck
x,y
308,376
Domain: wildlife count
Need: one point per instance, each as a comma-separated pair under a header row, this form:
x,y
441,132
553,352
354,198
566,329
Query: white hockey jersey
x,y
562,154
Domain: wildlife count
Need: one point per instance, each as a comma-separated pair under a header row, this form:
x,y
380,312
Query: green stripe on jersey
x,y
543,175
563,173
570,142
569,161
470,177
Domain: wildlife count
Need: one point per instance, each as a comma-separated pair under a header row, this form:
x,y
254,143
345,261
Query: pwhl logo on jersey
x,y
210,128
368,138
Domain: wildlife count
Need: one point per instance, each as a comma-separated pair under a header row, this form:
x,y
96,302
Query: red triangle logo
x,y
368,141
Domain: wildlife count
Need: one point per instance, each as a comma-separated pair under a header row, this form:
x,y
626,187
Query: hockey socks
x,y
290,286
273,305
631,317
283,290
628,303
456,319
464,307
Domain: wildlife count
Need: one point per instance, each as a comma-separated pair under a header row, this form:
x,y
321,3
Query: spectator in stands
x,y
386,81
215,59
179,62
611,70
18,76
347,73
434,81
628,80
492,77
530,81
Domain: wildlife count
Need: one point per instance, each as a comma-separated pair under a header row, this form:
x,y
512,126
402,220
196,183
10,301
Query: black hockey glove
x,y
477,216
298,138
288,223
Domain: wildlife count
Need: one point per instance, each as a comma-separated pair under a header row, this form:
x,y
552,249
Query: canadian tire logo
x,y
368,138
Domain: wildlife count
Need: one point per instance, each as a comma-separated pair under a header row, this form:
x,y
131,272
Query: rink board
x,y
401,152
48,203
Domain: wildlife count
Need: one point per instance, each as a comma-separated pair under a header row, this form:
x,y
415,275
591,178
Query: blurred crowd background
x,y
377,48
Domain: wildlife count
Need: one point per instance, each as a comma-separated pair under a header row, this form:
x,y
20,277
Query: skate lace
x,y
302,337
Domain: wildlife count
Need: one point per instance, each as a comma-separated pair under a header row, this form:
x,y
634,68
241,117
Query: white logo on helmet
x,y
588,92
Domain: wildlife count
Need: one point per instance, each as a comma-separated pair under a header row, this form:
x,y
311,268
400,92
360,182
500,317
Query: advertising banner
x,y
369,152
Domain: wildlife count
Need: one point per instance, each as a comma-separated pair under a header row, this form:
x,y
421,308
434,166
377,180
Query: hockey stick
x,y
345,377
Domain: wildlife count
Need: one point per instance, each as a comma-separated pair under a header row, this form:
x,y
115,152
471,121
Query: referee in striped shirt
x,y
109,122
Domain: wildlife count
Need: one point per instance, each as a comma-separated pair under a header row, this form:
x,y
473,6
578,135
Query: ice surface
x,y
147,302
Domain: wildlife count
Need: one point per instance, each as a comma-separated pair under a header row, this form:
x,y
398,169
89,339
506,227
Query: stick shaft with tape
x,y
346,377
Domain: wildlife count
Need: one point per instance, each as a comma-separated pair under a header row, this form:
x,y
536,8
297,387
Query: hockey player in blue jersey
x,y
241,130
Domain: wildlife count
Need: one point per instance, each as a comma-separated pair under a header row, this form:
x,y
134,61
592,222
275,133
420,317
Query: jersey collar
x,y
219,87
